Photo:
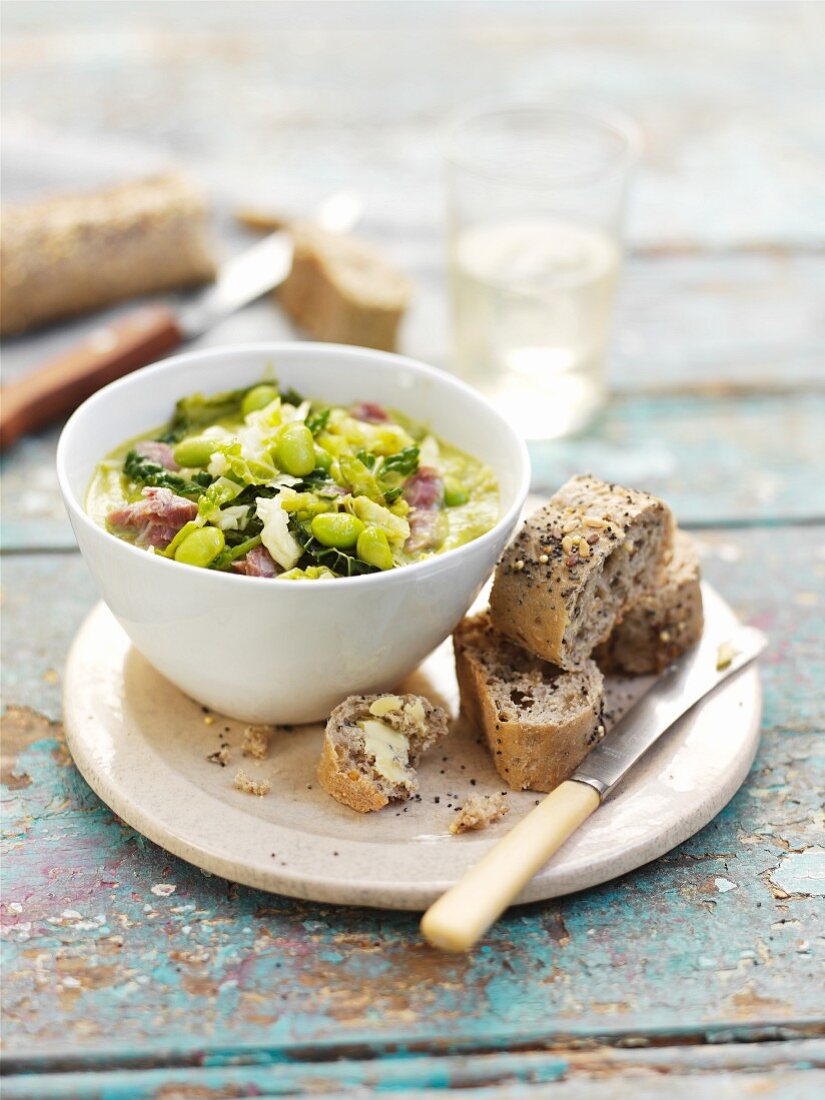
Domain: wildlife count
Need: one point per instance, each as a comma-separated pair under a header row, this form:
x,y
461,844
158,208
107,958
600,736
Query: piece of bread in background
x,y
539,722
344,291
75,253
576,565
665,622
372,745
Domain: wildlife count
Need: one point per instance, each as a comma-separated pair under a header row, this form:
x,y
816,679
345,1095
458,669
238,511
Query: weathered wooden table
x,y
130,974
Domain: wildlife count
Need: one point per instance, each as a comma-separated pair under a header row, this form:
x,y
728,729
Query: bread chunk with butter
x,y
576,566
372,745
665,622
539,721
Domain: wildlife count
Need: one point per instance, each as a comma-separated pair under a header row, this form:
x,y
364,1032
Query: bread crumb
x,y
221,757
256,742
479,811
244,782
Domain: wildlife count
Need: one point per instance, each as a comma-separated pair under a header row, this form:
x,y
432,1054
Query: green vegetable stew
x,y
262,482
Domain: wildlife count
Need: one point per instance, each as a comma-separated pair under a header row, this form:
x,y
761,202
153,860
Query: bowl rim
x,y
389,577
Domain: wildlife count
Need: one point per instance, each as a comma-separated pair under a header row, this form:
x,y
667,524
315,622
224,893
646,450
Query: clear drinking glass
x,y
536,201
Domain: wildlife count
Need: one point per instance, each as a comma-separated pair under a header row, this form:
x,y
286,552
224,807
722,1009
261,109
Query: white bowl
x,y
287,652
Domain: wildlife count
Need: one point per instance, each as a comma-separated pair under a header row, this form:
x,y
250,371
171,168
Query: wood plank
x,y
718,940
683,322
789,1069
716,460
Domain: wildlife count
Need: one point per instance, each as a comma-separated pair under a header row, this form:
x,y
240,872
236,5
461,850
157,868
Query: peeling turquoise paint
x,y
802,872
212,966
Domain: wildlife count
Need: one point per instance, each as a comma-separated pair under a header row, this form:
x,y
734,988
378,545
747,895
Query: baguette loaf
x,y
372,745
76,253
576,565
664,623
539,722
340,289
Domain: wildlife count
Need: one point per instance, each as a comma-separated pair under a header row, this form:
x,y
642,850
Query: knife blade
x,y
678,689
240,281
262,267
152,331
464,913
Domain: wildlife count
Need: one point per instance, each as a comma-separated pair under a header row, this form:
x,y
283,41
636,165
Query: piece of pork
x,y
155,451
257,563
426,530
424,493
156,518
369,411
424,489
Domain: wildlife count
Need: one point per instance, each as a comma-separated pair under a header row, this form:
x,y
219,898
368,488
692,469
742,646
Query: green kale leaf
x,y
199,411
315,553
317,421
145,471
404,463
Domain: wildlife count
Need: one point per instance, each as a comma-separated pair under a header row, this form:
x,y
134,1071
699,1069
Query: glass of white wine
x,y
536,199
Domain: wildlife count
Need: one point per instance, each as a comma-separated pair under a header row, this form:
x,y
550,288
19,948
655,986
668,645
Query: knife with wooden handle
x,y
43,395
461,916
57,388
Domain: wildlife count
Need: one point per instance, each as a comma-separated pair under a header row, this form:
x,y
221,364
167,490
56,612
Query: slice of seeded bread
x,y
372,745
664,623
576,565
539,722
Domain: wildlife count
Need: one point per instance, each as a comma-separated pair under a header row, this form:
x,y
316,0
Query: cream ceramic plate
x,y
143,747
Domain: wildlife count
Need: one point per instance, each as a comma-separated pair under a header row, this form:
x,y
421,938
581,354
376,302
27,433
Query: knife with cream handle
x,y
461,916
152,331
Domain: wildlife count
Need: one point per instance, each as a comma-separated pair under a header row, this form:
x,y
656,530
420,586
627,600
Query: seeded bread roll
x,y
372,745
539,722
664,623
76,253
341,289
576,565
